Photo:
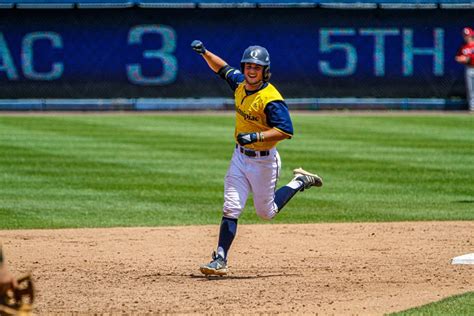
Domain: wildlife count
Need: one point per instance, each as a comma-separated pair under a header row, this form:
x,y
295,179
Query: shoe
x,y
218,266
308,179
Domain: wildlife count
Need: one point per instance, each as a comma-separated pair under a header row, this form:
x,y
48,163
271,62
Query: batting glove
x,y
198,47
249,138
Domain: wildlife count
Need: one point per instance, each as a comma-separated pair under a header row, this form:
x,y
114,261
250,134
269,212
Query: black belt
x,y
252,153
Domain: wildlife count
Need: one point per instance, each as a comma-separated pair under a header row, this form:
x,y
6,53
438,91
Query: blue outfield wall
x,y
192,104
84,4
316,53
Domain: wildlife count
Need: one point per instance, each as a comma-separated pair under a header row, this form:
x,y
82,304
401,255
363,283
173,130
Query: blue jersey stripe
x,y
278,116
232,76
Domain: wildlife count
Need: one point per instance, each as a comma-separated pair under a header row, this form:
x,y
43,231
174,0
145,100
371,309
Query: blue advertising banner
x,y
134,52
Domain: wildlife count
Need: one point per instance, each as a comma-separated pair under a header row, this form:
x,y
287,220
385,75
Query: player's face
x,y
253,74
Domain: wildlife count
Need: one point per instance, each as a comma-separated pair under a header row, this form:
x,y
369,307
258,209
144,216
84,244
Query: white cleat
x,y
308,179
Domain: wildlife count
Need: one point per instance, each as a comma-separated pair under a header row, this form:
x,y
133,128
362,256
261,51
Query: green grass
x,y
459,305
149,170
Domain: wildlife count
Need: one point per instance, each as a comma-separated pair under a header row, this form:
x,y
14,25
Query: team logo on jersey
x,y
245,115
257,104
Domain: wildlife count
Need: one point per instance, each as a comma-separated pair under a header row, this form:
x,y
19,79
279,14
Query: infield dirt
x,y
366,268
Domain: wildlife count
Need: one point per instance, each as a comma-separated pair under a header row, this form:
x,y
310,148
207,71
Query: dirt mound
x,y
311,268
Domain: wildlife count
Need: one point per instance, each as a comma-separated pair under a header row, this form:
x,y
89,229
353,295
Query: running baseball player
x,y
465,56
262,120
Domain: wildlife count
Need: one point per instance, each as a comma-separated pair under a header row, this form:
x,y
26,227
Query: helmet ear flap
x,y
266,73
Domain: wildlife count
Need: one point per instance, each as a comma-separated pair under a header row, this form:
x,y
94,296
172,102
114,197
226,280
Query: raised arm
x,y
214,61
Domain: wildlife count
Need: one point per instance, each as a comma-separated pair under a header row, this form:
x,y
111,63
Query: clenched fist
x,y
198,47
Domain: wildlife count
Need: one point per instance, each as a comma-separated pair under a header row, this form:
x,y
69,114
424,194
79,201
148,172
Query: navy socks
x,y
284,194
226,236
228,228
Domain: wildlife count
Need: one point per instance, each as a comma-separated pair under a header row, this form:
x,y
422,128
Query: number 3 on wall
x,y
164,54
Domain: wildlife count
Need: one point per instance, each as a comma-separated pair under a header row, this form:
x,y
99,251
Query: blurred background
x,y
325,54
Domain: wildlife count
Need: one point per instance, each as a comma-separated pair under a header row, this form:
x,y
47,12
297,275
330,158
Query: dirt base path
x,y
311,268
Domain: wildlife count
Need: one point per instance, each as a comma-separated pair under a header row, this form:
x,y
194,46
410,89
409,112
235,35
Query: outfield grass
x,y
458,305
148,170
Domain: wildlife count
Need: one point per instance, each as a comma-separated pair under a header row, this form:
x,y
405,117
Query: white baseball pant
x,y
470,87
258,175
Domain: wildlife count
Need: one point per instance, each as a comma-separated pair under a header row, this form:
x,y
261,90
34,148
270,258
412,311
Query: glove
x,y
19,300
198,47
248,138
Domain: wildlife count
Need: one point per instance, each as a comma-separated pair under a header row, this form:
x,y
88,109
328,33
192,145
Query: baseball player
x,y
262,120
465,55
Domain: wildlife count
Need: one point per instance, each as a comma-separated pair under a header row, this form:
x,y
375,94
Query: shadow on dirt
x,y
216,277
239,277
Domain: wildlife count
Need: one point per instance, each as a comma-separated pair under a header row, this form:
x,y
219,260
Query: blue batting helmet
x,y
257,55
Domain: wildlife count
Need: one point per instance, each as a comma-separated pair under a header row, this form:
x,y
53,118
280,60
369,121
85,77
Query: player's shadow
x,y
202,277
239,277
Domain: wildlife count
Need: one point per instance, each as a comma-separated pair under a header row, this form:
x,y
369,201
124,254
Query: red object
x,y
468,51
467,31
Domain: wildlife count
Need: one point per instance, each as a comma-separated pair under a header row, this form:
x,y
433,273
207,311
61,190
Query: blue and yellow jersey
x,y
257,111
